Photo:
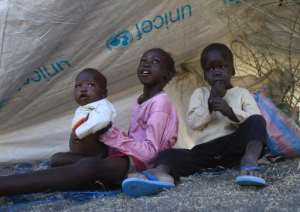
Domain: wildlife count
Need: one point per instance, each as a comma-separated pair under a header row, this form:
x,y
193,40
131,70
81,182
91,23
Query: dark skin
x,y
84,167
218,72
81,172
152,73
88,88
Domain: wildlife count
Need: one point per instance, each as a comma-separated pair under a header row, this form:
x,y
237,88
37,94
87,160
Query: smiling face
x,y
152,69
89,88
217,68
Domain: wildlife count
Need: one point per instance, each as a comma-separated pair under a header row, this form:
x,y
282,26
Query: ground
x,y
205,192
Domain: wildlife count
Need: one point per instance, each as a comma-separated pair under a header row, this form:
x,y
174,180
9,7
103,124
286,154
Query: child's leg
x,y
89,146
245,145
253,132
252,153
80,175
65,158
184,162
170,165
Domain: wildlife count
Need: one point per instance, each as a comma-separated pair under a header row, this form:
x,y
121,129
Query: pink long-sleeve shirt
x,y
153,128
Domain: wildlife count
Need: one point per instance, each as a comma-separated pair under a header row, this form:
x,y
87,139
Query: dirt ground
x,y
200,192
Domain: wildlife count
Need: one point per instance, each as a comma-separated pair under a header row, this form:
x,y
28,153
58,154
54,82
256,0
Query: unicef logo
x,y
118,40
123,39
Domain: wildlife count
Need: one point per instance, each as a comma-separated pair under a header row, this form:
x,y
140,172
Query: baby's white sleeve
x,y
98,119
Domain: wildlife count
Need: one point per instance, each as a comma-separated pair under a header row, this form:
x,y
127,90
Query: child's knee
x,y
165,157
57,159
255,129
172,157
256,121
87,166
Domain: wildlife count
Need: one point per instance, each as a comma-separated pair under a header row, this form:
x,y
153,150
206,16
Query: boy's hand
x,y
218,89
219,104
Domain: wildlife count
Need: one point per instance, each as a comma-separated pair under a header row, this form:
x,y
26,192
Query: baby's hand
x,y
74,138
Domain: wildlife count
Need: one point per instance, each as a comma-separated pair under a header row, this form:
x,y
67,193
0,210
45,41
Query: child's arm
x,y
240,112
219,104
73,137
160,133
247,108
98,119
198,115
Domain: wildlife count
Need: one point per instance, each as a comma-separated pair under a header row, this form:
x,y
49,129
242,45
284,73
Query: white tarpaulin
x,y
45,43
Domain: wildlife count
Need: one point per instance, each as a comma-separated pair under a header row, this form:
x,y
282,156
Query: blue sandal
x,y
137,187
250,180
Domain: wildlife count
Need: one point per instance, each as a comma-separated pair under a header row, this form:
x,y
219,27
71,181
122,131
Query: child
x,y
91,118
153,128
230,129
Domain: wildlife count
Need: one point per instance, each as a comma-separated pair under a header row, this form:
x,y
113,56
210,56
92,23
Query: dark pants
x,y
225,151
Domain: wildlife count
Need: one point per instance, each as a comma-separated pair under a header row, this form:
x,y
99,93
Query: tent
x,y
44,44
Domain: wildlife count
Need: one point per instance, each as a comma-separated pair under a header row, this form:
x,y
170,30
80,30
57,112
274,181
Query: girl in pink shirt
x,y
153,128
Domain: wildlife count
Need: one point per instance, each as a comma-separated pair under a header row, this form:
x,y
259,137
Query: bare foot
x,y
153,173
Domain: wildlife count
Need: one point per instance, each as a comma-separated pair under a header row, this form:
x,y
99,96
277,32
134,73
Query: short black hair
x,y
170,64
220,47
96,74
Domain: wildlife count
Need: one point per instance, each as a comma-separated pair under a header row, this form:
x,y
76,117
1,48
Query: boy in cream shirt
x,y
214,122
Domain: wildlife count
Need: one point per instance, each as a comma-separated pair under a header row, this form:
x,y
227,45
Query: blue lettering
x,y
61,68
166,20
147,26
62,62
43,73
139,33
177,17
38,77
161,22
55,68
158,22
188,8
49,73
231,2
